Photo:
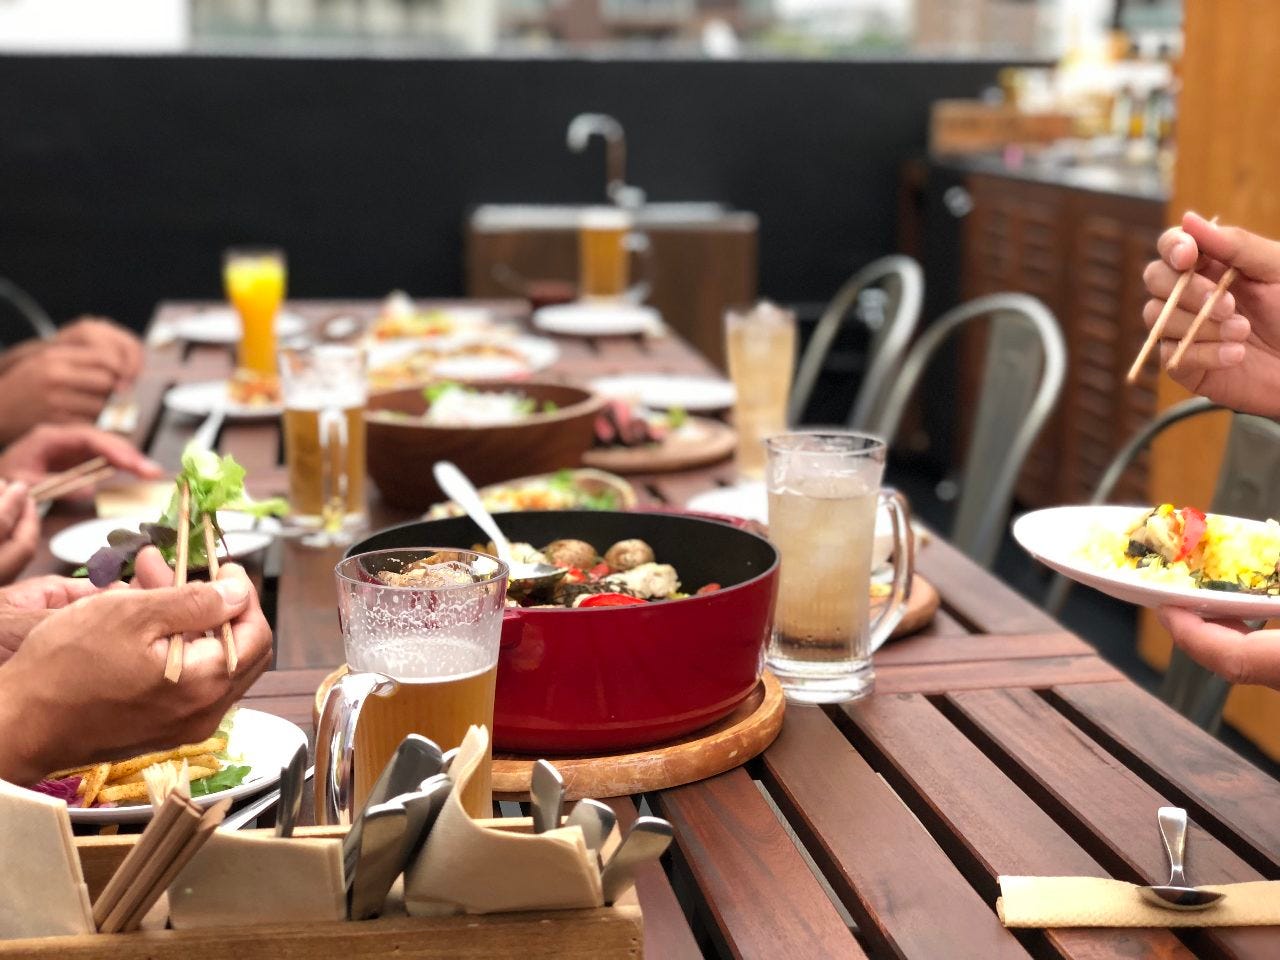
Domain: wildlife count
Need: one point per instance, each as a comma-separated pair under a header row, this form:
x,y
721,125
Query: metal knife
x,y
379,859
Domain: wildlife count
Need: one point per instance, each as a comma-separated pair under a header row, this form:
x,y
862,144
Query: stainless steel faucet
x,y
581,129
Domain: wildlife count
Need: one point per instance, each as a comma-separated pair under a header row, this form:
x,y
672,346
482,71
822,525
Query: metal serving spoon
x,y
462,491
1176,895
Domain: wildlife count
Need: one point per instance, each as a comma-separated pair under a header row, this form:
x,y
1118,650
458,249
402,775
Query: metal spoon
x,y
647,840
380,858
1176,895
414,760
547,789
292,777
421,809
462,491
596,821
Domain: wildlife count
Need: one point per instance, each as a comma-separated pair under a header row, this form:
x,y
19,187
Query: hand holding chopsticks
x,y
173,661
68,481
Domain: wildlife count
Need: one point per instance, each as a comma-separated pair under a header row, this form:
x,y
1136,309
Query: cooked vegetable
x,y
607,600
649,581
570,553
627,554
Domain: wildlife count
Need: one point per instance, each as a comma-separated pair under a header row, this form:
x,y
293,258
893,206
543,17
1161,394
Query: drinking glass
x,y
254,278
824,494
761,347
429,651
323,390
606,240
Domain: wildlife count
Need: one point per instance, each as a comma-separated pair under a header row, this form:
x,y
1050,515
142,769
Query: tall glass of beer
x,y
761,347
431,621
255,279
824,493
606,241
323,388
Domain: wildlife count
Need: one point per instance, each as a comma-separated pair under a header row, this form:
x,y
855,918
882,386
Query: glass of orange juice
x,y
255,280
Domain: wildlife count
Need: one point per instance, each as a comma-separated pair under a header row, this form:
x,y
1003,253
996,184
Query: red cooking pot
x,y
614,678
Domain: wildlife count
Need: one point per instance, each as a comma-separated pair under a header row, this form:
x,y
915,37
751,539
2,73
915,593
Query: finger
x,y
1160,281
81,378
71,444
1235,329
71,406
150,571
1203,356
1226,647
1254,256
192,608
13,501
58,592
1178,249
102,333
83,357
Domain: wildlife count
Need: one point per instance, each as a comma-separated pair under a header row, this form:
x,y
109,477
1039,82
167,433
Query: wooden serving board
x,y
729,743
921,606
711,442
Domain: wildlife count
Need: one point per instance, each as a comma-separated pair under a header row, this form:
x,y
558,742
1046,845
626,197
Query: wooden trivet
x,y
921,607
709,442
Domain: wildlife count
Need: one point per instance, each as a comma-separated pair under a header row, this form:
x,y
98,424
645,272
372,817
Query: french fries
x,y
125,781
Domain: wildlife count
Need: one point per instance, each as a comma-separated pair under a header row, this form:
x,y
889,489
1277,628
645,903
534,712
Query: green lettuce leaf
x,y
224,779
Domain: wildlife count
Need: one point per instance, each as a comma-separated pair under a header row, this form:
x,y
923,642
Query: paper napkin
x,y
1098,902
42,889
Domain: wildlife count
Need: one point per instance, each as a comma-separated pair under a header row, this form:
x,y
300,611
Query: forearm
x,y
21,760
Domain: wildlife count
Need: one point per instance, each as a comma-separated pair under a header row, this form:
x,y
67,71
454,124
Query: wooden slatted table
x,y
996,742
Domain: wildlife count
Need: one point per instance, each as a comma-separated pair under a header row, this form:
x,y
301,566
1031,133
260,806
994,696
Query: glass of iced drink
x,y
824,493
761,348
323,388
430,620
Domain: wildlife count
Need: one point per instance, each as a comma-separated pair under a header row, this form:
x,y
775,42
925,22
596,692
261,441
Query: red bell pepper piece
x,y
1193,527
599,571
610,600
709,588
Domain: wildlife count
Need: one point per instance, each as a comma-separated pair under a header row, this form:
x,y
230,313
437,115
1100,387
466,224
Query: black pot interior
x,y
702,551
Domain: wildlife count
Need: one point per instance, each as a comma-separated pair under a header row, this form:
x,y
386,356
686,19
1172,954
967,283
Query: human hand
x,y
109,338
1235,360
61,382
19,529
28,602
48,449
88,683
1227,647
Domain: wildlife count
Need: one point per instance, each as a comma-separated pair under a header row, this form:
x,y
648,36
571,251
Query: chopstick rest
x,y
468,868
42,893
241,879
1044,902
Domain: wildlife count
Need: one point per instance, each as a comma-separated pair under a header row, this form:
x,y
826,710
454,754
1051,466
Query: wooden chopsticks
x,y
68,481
173,660
1157,328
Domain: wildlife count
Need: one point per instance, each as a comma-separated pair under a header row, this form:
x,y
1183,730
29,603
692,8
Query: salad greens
x,y
229,776
523,407
565,480
216,483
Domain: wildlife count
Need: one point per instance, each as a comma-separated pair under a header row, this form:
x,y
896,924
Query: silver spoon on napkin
x,y
1176,895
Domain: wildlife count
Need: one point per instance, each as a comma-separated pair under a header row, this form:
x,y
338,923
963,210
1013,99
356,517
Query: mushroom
x,y
571,553
628,554
648,581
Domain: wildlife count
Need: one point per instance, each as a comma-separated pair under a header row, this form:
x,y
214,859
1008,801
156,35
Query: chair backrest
x,y
903,283
26,307
1196,406
1022,377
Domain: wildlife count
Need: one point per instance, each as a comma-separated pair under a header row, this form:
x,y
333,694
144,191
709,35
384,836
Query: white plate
x,y
222,325
536,353
199,399
663,392
585,319
750,501
245,534
1056,535
264,742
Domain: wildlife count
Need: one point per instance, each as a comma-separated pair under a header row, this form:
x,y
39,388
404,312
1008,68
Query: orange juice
x,y
255,286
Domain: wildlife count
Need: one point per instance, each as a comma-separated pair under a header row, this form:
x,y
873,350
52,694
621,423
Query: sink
x,y
530,216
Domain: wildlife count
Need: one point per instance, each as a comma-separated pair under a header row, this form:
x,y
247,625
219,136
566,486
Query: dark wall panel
x,y
122,179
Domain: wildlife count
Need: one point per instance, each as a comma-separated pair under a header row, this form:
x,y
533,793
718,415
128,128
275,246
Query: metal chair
x,y
902,282
1060,585
1022,377
25,306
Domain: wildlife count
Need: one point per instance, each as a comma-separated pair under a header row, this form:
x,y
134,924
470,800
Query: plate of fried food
x,y
398,364
245,396
401,318
242,758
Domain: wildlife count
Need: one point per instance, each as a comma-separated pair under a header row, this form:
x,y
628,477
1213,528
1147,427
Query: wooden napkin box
x,y
604,933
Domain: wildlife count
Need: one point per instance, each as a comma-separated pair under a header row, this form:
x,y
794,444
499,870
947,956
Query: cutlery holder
x,y
601,933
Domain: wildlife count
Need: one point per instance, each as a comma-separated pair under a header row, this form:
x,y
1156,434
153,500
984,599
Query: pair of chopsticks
x,y
68,481
174,836
1157,328
173,659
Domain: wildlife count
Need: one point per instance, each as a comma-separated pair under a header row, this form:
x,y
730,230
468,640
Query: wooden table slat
x,y
1035,672
1108,808
759,891
902,889
976,596
1211,777
984,821
927,648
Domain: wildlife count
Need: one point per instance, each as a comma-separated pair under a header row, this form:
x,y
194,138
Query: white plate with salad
x,y
258,746
245,534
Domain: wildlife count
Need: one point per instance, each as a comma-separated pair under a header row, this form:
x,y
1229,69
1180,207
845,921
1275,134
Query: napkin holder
x,y
607,933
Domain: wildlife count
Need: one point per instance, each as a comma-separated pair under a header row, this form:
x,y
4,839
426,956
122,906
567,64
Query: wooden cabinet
x,y
1081,253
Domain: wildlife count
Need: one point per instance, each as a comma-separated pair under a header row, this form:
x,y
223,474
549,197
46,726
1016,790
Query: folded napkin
x,y
239,879
466,867
42,892
1097,902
